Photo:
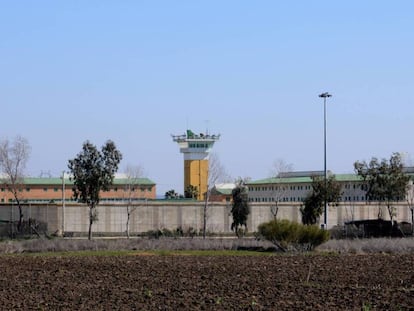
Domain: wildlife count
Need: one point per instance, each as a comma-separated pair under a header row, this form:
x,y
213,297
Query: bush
x,y
287,235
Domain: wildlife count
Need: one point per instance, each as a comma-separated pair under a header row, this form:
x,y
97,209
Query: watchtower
x,y
196,149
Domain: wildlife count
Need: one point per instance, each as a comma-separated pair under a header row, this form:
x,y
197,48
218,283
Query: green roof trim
x,y
56,181
305,179
224,191
46,181
132,181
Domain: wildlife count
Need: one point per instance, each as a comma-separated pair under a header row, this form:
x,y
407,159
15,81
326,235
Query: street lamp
x,y
63,203
325,214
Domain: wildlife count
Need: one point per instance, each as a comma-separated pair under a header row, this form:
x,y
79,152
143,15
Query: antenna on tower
x,y
206,126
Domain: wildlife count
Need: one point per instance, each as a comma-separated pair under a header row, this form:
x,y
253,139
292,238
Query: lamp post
x,y
325,214
63,203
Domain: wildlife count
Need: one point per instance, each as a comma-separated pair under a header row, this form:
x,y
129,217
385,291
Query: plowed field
x,y
293,282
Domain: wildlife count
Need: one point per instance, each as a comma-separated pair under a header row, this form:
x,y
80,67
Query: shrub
x,y
287,235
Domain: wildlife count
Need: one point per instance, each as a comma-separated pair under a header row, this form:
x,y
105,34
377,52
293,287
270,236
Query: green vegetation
x,y
287,235
385,181
93,171
191,192
172,194
313,206
240,209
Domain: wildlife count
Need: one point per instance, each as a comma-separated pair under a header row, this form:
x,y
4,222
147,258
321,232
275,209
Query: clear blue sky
x,y
137,71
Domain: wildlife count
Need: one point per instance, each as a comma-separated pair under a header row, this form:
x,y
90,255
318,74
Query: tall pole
x,y
325,213
63,203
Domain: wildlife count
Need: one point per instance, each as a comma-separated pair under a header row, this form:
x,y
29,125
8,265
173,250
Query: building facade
x,y
56,189
295,186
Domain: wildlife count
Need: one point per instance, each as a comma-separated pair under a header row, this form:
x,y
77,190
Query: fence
x,y
153,215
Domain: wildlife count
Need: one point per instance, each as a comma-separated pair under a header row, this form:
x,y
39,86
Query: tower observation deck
x,y
196,149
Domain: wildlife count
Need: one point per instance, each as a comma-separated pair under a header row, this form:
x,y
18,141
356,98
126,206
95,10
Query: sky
x,y
136,72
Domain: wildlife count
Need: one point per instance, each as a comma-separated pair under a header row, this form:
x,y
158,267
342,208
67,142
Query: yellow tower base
x,y
196,174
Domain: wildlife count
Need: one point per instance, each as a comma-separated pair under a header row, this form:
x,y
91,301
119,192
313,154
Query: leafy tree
x,y
240,209
93,171
191,192
313,204
13,158
171,194
385,180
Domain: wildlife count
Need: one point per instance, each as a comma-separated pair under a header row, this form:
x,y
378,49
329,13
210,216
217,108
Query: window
x,y
55,189
27,189
45,189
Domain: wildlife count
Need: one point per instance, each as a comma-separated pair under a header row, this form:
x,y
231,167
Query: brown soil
x,y
294,282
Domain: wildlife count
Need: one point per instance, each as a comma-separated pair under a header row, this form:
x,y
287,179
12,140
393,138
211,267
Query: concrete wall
x,y
171,215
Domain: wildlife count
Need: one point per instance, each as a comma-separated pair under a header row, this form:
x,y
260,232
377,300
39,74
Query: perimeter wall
x,y
147,216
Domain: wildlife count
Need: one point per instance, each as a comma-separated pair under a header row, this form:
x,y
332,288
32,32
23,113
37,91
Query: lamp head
x,y
325,95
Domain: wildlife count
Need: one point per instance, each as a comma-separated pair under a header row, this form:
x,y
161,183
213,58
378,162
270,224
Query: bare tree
x,y
410,201
13,158
133,173
279,190
216,174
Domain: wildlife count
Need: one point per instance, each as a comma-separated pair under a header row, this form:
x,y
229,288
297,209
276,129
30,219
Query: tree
x,y
13,158
133,173
280,190
410,201
313,205
172,194
216,173
385,180
191,192
240,209
93,171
